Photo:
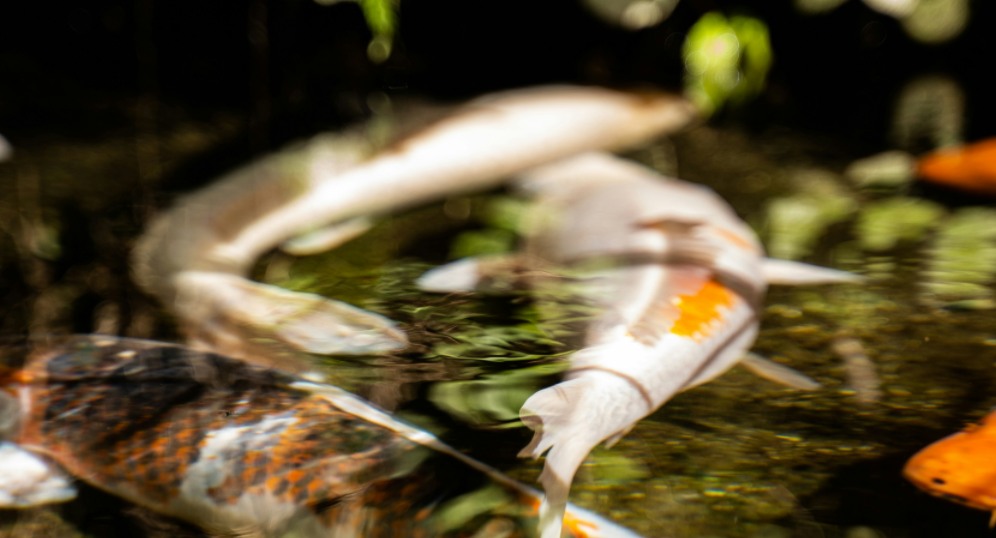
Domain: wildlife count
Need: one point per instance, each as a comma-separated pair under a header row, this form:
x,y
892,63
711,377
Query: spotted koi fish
x,y
678,281
195,257
238,449
960,467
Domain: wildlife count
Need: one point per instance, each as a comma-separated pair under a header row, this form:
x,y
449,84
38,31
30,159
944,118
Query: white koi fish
x,y
195,257
241,450
679,279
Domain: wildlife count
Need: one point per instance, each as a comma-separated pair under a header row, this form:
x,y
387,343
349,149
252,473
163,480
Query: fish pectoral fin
x,y
480,273
328,237
27,479
232,305
778,373
792,273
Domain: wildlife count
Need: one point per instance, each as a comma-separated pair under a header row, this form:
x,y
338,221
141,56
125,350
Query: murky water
x,y
903,359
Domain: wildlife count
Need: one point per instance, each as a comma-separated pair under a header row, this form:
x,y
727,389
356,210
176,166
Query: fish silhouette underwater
x,y
960,467
195,256
677,279
238,449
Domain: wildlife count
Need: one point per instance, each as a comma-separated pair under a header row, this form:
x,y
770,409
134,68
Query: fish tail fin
x,y
567,421
27,479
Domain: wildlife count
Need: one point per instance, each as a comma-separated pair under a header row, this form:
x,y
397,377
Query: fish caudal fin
x,y
791,273
568,420
228,306
26,479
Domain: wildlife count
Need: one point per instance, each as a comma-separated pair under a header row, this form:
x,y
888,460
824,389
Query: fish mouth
x,y
931,486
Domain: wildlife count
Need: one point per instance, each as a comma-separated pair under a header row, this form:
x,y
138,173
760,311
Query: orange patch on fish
x,y
960,467
701,309
971,167
577,527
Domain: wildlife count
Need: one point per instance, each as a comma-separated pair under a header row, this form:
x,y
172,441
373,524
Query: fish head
x,y
960,467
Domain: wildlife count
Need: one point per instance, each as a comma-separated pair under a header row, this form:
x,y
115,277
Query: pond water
x,y
903,359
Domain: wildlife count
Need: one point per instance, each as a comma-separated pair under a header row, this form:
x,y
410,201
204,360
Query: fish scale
x,y
95,416
243,450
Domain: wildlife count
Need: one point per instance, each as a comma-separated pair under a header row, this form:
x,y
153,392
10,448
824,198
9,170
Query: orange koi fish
x,y
196,256
971,167
960,467
679,279
238,449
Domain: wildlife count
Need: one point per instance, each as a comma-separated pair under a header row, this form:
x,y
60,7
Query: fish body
x,y
196,256
239,449
678,303
960,467
677,281
971,167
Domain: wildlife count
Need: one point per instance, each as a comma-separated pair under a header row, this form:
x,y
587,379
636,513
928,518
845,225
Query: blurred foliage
x,y
961,266
795,222
382,19
631,14
493,399
726,60
927,21
881,225
502,218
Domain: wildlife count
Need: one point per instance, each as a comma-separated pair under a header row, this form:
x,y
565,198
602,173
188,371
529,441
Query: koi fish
x,y
195,257
239,449
960,467
971,167
678,280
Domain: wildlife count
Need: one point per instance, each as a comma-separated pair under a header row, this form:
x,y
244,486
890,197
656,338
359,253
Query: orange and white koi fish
x,y
971,167
239,449
196,256
960,467
678,282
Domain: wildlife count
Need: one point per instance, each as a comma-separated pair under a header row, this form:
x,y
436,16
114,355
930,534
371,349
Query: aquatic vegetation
x,y
961,266
884,224
795,222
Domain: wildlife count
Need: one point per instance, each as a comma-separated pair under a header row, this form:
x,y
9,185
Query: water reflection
x,y
740,456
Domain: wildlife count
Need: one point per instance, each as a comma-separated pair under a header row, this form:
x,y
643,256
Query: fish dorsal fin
x,y
27,479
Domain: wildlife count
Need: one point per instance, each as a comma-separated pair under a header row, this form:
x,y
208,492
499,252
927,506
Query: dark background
x,y
296,67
